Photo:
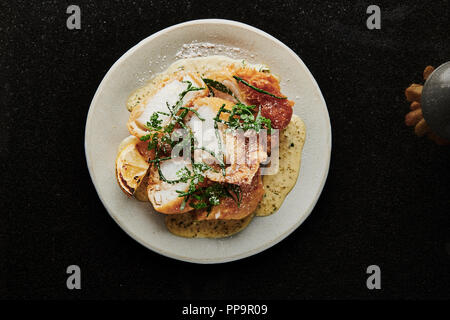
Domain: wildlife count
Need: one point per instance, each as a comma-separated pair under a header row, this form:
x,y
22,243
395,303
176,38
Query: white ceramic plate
x,y
106,127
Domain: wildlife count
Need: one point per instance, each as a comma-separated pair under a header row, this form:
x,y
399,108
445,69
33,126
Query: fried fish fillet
x,y
164,195
166,95
243,151
229,209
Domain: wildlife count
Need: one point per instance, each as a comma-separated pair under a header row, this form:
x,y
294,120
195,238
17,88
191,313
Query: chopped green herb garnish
x,y
219,160
242,117
218,86
155,123
160,136
210,196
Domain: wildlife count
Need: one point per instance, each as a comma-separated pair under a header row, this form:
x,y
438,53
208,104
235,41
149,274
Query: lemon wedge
x,y
131,168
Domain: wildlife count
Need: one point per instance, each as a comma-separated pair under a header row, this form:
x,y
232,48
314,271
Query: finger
x,y
414,92
440,141
413,117
421,128
415,105
426,73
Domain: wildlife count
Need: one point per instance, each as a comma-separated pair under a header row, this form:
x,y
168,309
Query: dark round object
x,y
436,101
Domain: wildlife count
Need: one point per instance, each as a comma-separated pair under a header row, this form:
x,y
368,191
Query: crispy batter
x,y
243,154
279,111
228,208
142,147
141,191
243,157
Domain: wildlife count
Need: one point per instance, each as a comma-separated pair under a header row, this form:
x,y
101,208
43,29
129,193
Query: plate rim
x,y
266,245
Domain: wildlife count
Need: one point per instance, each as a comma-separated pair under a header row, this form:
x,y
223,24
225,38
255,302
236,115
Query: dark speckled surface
x,y
386,201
